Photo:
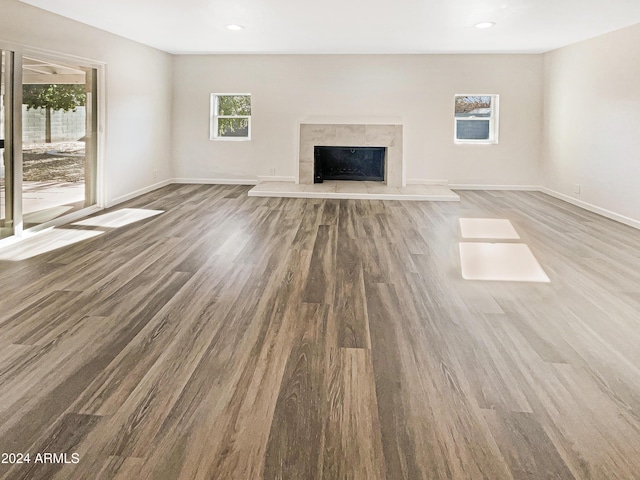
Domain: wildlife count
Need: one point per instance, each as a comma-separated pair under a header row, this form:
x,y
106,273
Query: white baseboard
x,y
426,181
216,181
527,188
137,193
592,208
273,178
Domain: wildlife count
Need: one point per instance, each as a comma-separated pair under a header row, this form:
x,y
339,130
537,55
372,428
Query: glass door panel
x,y
58,139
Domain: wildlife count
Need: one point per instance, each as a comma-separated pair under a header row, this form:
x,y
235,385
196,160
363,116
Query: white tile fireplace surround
x,y
351,135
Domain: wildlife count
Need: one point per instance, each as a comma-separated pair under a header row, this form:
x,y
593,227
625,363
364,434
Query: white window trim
x,y
213,119
494,123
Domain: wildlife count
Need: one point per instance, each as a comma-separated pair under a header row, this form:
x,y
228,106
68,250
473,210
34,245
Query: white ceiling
x,y
352,26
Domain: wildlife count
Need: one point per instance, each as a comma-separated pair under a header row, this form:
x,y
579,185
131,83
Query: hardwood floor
x,y
235,337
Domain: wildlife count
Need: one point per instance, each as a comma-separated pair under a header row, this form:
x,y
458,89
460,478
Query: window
x,y
476,119
230,116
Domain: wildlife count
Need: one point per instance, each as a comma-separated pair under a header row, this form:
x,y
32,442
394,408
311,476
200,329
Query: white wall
x,y
418,88
138,88
592,123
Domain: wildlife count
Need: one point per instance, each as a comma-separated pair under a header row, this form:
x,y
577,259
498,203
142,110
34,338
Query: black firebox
x,y
349,163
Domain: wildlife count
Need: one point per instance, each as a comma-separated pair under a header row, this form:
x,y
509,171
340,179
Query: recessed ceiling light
x,y
233,26
484,25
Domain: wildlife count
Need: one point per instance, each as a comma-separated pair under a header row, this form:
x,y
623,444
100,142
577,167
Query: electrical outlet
x,y
272,171
155,174
576,188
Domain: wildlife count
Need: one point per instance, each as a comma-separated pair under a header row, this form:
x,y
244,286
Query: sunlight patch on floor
x,y
119,218
45,242
512,262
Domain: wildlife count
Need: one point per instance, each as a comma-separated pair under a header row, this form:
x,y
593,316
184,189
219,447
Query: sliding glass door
x,y
48,140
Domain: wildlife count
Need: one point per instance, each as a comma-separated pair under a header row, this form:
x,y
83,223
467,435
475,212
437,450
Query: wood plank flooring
x,y
235,337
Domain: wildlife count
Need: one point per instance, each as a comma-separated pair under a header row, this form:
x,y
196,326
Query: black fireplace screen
x,y
349,163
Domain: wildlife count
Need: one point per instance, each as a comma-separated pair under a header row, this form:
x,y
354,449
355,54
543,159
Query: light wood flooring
x,y
235,337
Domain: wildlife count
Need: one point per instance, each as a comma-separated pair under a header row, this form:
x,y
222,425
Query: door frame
x,y
19,51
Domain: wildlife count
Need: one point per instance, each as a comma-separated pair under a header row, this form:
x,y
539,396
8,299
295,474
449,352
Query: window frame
x,y
493,120
214,117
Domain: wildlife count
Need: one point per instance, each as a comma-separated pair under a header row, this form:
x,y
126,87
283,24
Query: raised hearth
x,y
337,189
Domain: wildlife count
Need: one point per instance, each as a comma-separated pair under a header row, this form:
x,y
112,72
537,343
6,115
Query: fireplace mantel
x,y
314,134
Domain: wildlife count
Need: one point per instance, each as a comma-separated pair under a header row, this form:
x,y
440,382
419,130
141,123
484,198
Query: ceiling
x,y
352,26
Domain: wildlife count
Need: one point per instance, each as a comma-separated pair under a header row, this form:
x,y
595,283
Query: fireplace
x,y
315,133
349,163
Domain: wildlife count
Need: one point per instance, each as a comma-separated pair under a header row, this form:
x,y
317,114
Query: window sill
x,y
475,142
230,139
